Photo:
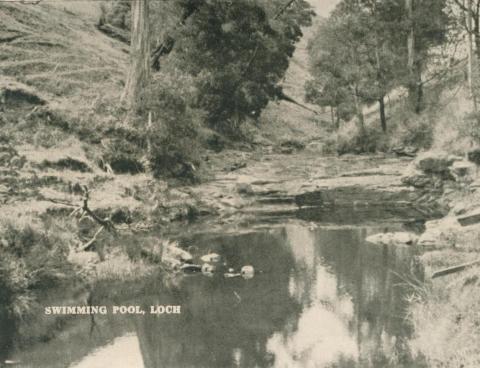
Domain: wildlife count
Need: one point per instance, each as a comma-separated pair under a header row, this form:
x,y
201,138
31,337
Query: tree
x,y
466,13
139,70
359,34
425,26
238,53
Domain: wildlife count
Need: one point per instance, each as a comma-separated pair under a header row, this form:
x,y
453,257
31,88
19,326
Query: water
x,y
321,297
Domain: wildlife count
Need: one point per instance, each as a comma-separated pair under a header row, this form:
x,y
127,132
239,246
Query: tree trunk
x,y
469,24
139,72
383,119
476,30
358,109
415,90
411,37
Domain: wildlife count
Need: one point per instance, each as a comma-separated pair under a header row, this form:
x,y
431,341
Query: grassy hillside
x,y
62,55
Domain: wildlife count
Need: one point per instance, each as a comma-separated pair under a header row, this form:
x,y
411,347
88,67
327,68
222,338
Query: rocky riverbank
x,y
444,309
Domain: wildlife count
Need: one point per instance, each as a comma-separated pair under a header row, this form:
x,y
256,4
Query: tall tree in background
x,y
139,70
380,23
338,83
360,34
466,13
414,75
426,26
469,27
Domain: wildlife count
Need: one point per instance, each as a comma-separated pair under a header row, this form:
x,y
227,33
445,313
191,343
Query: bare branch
x,y
282,10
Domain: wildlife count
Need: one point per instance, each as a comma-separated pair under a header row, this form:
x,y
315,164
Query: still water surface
x,y
321,297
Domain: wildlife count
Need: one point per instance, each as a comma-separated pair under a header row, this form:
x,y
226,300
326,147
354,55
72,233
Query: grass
x,y
445,314
447,319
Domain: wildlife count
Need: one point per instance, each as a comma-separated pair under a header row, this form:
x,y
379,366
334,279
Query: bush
x,y
174,149
352,139
415,130
31,258
123,157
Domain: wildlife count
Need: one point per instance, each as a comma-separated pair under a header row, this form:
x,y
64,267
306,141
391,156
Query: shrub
x,y
123,156
174,149
31,258
352,139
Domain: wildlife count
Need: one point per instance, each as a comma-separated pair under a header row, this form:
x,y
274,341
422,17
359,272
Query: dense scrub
x,y
33,258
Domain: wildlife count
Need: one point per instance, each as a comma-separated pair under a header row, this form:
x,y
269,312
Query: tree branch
x,y
282,10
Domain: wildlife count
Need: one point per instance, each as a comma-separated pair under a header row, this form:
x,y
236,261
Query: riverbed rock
x,y
417,178
464,170
474,156
440,234
245,188
290,146
395,238
470,218
435,162
408,151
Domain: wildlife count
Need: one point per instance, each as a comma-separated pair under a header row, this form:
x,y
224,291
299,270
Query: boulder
x,y
290,146
408,151
469,218
440,234
396,238
417,179
474,156
245,188
463,169
434,162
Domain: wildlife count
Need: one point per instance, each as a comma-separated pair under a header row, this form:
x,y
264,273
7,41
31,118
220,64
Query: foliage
x,y
237,52
369,37
174,132
32,257
237,56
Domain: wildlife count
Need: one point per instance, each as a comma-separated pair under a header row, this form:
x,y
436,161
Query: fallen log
x,y
454,269
114,32
469,219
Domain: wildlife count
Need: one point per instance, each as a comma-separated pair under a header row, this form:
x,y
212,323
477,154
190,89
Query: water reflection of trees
x,y
354,280
216,328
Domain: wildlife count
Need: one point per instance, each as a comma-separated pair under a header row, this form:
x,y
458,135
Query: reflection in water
x,y
321,298
123,352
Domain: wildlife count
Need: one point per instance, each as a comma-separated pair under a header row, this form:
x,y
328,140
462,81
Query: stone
x,y
290,146
469,218
247,272
232,202
211,258
434,162
417,178
463,169
408,151
440,234
395,238
474,156
245,188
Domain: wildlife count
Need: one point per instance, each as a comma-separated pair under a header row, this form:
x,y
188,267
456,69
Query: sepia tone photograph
x,y
239,183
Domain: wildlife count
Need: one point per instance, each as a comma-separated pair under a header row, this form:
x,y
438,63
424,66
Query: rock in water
x,y
247,272
208,269
173,251
211,258
397,238
191,268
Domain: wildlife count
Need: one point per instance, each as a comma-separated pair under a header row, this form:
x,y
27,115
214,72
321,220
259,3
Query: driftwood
x,y
454,269
282,96
85,211
114,32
